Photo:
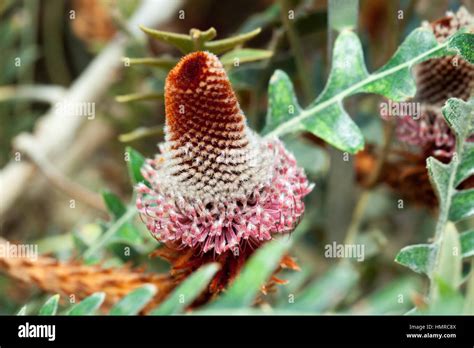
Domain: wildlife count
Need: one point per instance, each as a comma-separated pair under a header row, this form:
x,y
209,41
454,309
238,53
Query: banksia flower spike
x,y
438,80
217,186
426,133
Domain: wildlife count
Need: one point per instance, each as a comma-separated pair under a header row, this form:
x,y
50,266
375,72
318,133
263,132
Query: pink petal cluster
x,y
430,132
274,207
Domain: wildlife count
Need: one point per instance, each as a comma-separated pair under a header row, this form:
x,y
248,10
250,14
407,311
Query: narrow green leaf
x,y
467,243
393,298
134,164
135,301
50,307
448,299
113,203
462,205
127,98
244,55
256,272
89,305
22,310
419,258
164,63
187,291
181,41
449,264
221,46
326,292
109,235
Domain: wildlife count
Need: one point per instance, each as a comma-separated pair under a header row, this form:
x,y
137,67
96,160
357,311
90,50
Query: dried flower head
x,y
429,132
437,80
216,184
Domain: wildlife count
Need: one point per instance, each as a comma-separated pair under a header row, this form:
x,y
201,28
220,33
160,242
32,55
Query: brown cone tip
x,y
201,105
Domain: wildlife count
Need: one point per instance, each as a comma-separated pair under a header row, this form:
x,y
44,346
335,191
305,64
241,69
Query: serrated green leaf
x,y
113,203
134,165
466,167
181,41
135,301
399,84
336,127
256,272
459,116
393,80
50,307
419,258
463,43
326,292
187,291
467,243
89,305
439,174
462,205
282,101
244,55
224,45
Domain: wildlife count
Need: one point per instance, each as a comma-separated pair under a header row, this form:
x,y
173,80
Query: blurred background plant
x,y
65,188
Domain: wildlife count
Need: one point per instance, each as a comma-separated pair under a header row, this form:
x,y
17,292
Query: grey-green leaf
x,y
89,305
460,116
134,164
462,205
50,307
466,167
187,291
113,203
224,45
256,272
135,301
439,174
326,292
463,43
180,41
282,101
467,243
244,55
419,258
450,258
397,82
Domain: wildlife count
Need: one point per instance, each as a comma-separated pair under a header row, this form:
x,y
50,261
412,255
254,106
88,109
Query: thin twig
x,y
56,131
296,49
26,144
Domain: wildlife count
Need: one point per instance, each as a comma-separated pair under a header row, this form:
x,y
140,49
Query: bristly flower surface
x,y
217,185
437,80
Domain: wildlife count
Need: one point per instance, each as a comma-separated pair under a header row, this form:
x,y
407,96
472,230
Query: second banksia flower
x,y
216,186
